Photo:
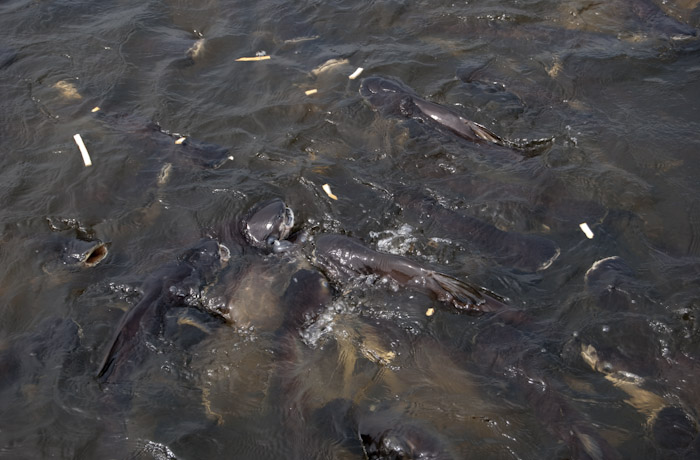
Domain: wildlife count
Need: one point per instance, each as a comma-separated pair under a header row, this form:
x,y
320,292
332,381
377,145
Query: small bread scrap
x,y
83,150
356,73
328,65
587,230
67,89
253,58
327,188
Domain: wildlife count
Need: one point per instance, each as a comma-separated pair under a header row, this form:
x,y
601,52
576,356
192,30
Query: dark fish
x,y
156,140
305,299
638,358
505,350
382,433
74,252
626,345
267,226
388,436
528,253
676,434
343,258
394,98
630,355
611,282
656,19
177,284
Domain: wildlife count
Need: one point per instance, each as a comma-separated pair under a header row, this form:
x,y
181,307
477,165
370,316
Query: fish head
x,y
206,258
84,253
378,85
207,253
387,96
268,224
388,434
72,253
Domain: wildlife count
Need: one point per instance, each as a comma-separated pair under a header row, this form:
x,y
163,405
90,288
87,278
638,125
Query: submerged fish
x,y
393,98
637,355
158,142
382,433
267,225
74,252
343,258
658,21
174,285
524,252
387,434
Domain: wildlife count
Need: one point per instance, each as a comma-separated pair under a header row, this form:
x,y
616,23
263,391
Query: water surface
x,y
616,85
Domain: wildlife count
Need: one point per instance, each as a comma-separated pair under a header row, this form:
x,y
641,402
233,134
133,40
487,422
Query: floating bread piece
x,y
83,150
555,68
164,174
328,65
430,311
67,89
196,49
95,109
356,73
180,140
302,39
253,58
309,92
327,188
587,230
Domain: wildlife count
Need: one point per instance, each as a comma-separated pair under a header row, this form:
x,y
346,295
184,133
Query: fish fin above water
x,y
106,367
128,337
464,296
482,132
527,148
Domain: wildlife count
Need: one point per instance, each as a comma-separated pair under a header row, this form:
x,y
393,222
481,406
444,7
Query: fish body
x,y
342,258
174,285
391,97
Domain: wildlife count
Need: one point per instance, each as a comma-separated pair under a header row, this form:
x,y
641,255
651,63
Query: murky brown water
x,y
602,365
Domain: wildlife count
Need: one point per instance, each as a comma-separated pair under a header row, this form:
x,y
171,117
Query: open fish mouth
x,y
288,221
94,255
224,253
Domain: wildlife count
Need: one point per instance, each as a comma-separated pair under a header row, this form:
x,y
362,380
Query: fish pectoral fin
x,y
464,296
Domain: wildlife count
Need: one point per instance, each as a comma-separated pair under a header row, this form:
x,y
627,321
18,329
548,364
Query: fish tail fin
x,y
466,297
483,133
